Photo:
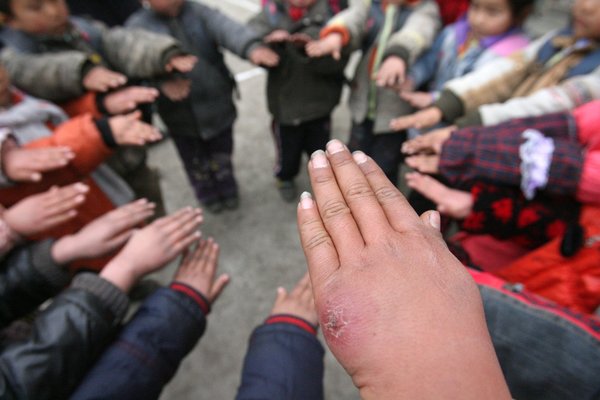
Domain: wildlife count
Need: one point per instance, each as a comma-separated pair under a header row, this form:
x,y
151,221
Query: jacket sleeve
x,y
492,83
54,76
148,351
283,361
230,34
417,34
350,23
259,24
67,337
82,136
4,136
565,96
138,53
29,276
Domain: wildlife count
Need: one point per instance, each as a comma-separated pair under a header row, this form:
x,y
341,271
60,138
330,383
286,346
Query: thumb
x,y
337,55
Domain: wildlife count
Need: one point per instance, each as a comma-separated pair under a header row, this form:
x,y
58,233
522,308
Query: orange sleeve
x,y
340,29
83,137
82,105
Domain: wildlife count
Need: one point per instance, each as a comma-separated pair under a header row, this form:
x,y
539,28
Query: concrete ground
x,y
259,242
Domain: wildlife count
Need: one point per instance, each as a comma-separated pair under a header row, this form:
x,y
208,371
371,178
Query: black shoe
x,y
215,207
231,203
287,190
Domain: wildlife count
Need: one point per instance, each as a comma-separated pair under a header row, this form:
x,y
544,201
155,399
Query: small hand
x,y
329,45
418,99
27,165
176,89
264,56
129,130
277,36
299,302
127,99
421,119
101,79
181,64
198,269
104,234
391,72
37,213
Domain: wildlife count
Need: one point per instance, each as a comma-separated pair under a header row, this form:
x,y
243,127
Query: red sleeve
x,y
82,105
587,118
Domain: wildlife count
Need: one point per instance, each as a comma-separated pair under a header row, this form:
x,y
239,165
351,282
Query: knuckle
x,y
333,209
358,191
342,161
387,194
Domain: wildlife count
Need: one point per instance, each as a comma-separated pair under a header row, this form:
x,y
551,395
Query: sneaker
x,y
231,203
287,190
214,207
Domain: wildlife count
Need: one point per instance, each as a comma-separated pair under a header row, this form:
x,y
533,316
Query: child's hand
x,y
421,119
176,89
27,165
198,268
101,79
127,99
153,247
181,64
300,39
264,56
299,302
104,234
330,44
418,99
39,212
129,130
391,72
277,36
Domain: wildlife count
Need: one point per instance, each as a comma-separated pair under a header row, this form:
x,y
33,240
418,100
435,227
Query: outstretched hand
x,y
104,234
198,269
299,302
181,63
329,45
102,79
129,98
153,246
397,309
392,73
421,119
264,56
39,212
130,130
27,165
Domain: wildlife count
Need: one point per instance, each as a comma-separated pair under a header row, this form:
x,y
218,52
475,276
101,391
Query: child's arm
x,y
284,359
69,335
165,329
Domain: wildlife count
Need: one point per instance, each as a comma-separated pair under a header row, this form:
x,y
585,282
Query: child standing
x,y
198,109
491,29
301,92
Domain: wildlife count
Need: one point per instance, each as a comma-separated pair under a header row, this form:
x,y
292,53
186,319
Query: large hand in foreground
x,y
398,311
153,247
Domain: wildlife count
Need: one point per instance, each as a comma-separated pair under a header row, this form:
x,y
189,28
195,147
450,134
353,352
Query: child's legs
x,y
195,158
316,134
361,136
220,152
385,151
289,144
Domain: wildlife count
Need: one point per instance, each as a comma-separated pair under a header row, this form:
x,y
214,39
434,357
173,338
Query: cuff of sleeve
x,y
192,293
292,320
113,297
170,53
250,47
86,67
336,29
106,132
100,97
472,118
42,261
451,105
397,51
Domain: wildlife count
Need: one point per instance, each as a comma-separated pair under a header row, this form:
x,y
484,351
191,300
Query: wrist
x,y
120,273
62,250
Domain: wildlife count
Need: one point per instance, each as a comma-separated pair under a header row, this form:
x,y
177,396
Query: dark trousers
x,y
208,165
383,148
292,140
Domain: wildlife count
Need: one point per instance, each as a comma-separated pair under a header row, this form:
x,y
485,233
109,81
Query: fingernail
x,y
36,177
306,201
318,159
81,187
435,220
359,157
334,146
